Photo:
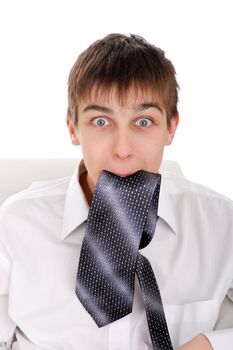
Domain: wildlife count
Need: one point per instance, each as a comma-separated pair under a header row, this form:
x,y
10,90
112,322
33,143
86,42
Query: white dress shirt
x,y
41,232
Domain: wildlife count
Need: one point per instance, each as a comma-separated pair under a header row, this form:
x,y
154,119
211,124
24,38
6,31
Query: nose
x,y
122,147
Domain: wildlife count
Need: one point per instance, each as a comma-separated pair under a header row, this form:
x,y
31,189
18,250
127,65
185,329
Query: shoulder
x,y
36,193
198,210
180,188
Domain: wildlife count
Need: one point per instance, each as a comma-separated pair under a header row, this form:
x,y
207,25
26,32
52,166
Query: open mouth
x,y
123,175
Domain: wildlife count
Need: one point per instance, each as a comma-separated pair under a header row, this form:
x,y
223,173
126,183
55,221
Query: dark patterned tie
x,y
121,220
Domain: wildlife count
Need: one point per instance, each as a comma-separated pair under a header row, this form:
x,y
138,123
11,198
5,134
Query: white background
x,y
40,40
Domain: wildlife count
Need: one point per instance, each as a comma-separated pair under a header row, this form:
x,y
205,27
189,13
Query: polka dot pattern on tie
x,y
121,220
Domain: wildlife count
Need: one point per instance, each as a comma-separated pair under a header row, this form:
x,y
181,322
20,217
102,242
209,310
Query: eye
x,y
100,121
144,122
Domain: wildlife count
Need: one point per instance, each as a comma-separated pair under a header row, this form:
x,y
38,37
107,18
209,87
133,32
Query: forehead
x,y
115,95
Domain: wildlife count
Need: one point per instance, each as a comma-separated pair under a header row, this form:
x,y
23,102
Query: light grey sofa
x,y
18,174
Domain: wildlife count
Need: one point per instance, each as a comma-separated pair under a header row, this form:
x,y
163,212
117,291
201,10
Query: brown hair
x,y
121,61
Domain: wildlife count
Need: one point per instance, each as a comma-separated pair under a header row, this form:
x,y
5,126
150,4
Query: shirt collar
x,y
165,208
76,207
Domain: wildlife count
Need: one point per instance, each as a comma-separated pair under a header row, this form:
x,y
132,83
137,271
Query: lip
x,y
120,174
123,175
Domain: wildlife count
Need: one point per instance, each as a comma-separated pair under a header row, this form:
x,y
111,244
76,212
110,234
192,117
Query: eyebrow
x,y
97,108
143,106
139,108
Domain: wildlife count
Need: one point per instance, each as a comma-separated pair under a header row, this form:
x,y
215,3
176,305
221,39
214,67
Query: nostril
x,y
122,144
122,156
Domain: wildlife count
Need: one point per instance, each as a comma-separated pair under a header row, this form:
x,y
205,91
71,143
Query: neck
x,y
86,189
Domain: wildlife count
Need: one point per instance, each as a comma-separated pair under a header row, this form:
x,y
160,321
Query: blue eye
x,y
144,122
100,122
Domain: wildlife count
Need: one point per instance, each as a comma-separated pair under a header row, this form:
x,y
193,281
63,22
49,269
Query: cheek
x,y
95,152
97,146
151,144
151,151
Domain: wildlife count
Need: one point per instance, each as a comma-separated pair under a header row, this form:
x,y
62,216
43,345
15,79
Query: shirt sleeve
x,y
222,339
7,326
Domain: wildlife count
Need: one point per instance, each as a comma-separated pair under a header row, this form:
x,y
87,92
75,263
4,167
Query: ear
x,y
71,128
172,129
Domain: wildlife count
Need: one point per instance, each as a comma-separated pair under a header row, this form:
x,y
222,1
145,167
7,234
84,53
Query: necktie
x,y
121,220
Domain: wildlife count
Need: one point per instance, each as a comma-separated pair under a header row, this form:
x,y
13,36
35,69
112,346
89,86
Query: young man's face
x,y
121,138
